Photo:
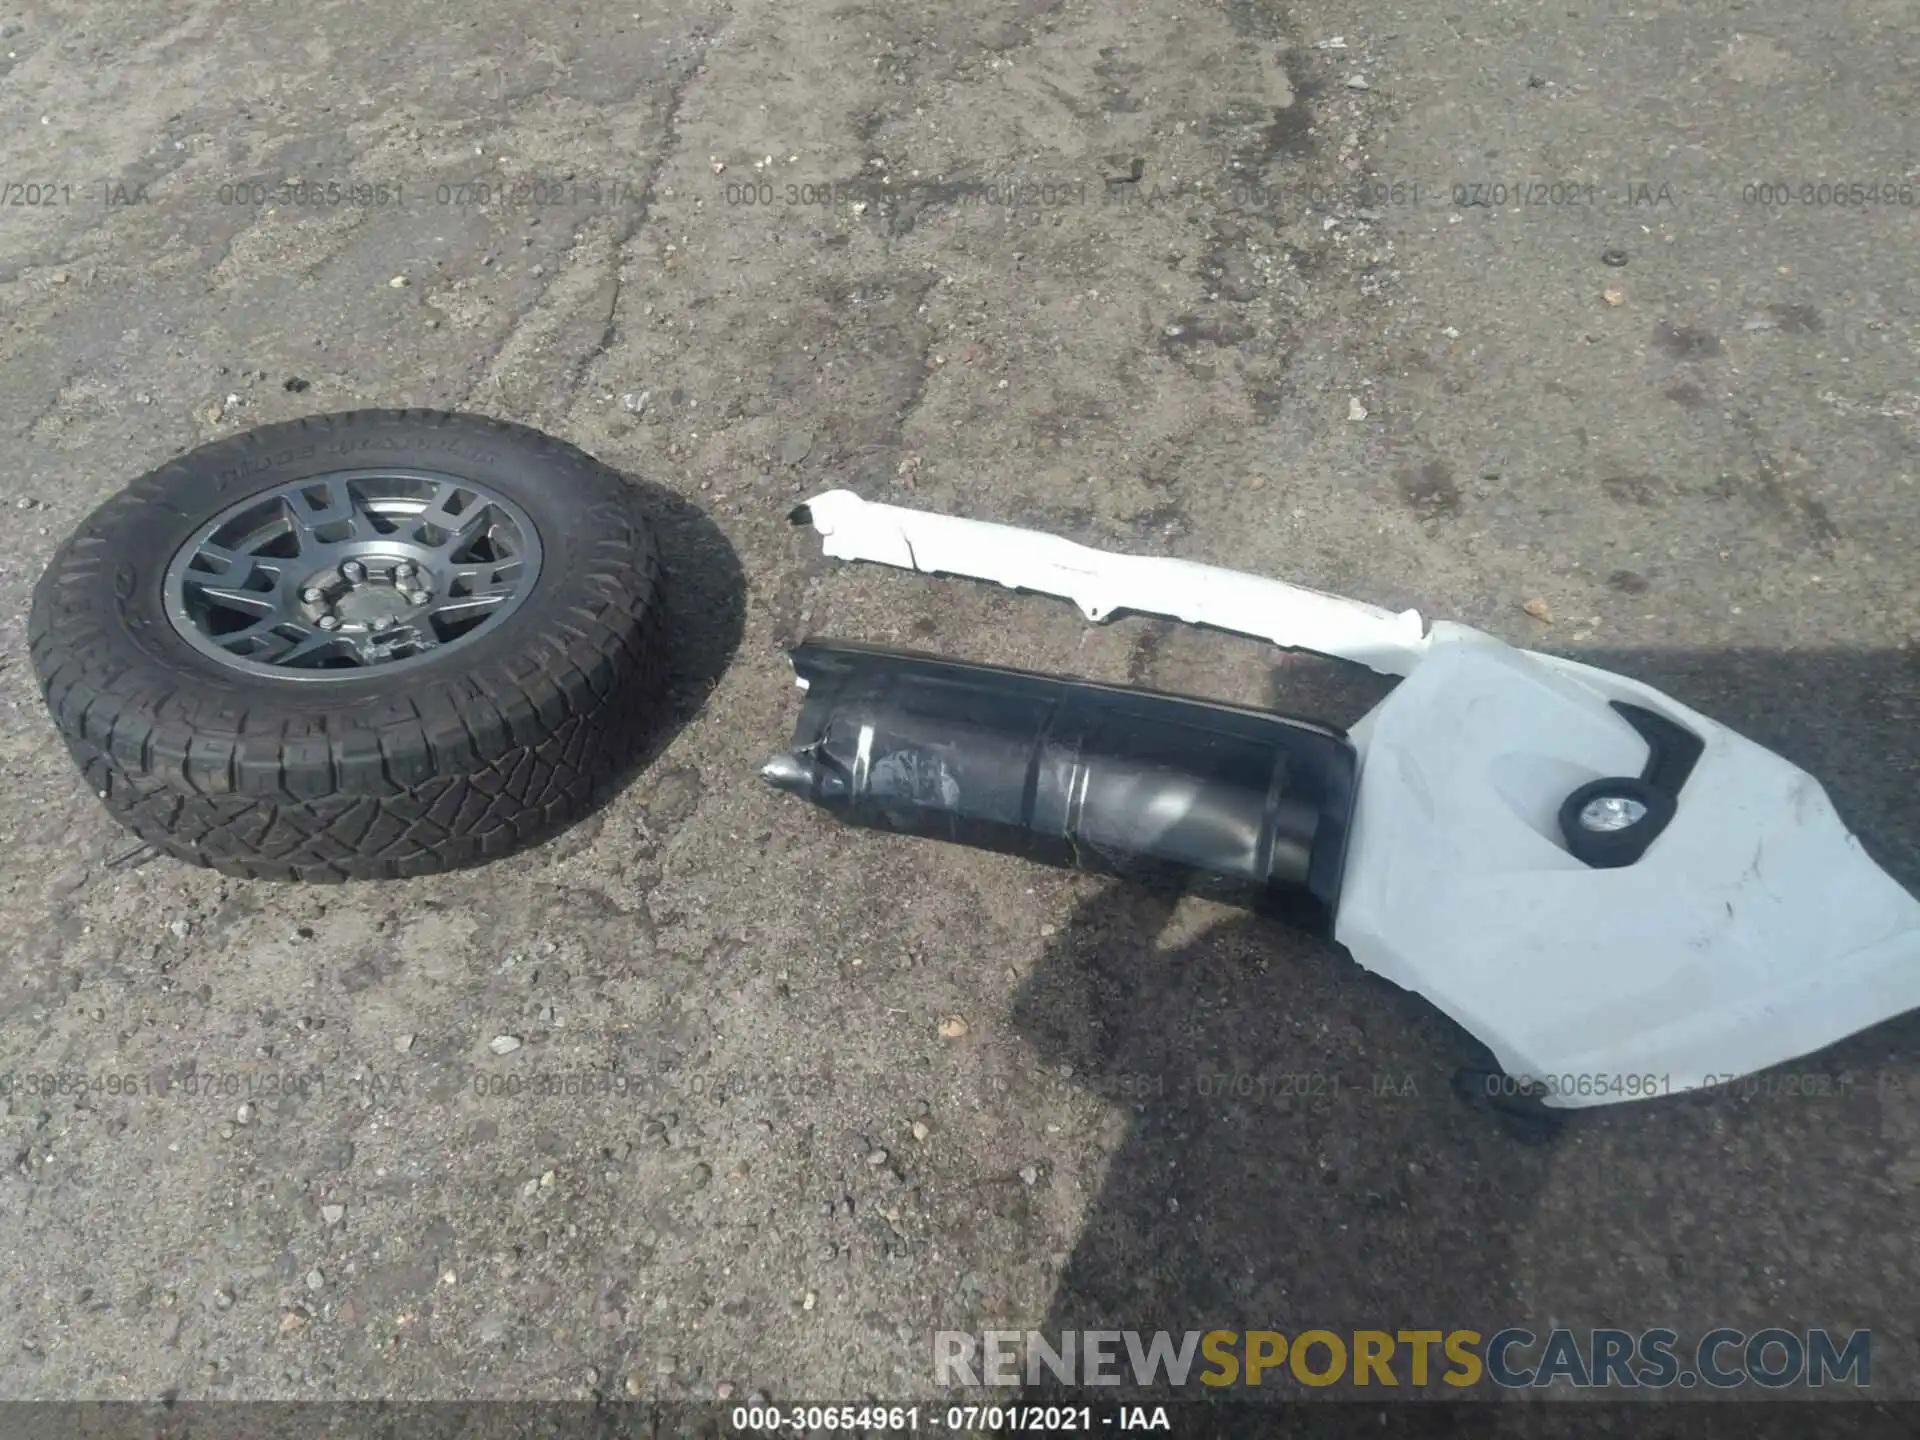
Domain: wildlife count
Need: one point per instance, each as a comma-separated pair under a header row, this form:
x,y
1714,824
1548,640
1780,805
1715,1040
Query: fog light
x,y
1611,812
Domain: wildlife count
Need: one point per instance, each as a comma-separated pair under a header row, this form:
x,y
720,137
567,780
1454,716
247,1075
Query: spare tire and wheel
x,y
359,646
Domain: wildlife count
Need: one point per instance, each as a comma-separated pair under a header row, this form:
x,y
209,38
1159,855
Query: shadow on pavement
x,y
706,592
1295,1159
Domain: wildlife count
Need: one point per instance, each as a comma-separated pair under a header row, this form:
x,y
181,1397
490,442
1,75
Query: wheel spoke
x,y
456,608
323,514
298,644
475,590
233,640
248,547
491,576
228,560
229,584
250,602
316,644
460,530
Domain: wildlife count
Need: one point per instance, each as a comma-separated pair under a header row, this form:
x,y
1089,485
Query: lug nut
x,y
419,597
313,594
353,572
328,622
404,570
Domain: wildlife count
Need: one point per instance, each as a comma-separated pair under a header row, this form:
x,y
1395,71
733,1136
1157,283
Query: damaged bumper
x,y
1102,583
1616,894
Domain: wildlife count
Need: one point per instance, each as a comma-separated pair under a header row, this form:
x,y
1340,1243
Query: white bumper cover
x,y
1755,928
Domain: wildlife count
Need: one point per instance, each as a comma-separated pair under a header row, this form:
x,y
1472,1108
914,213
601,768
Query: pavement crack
x,y
630,223
1782,495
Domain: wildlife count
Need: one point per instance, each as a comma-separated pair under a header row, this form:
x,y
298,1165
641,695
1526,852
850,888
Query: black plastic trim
x,y
1237,802
1672,752
1672,749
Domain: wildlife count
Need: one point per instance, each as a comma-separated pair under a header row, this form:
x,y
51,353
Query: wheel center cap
x,y
369,593
373,604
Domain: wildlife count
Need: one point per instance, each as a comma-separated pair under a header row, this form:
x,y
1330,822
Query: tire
x,y
474,748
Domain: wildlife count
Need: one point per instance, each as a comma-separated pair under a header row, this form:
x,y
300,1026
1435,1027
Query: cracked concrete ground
x,y
1471,311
